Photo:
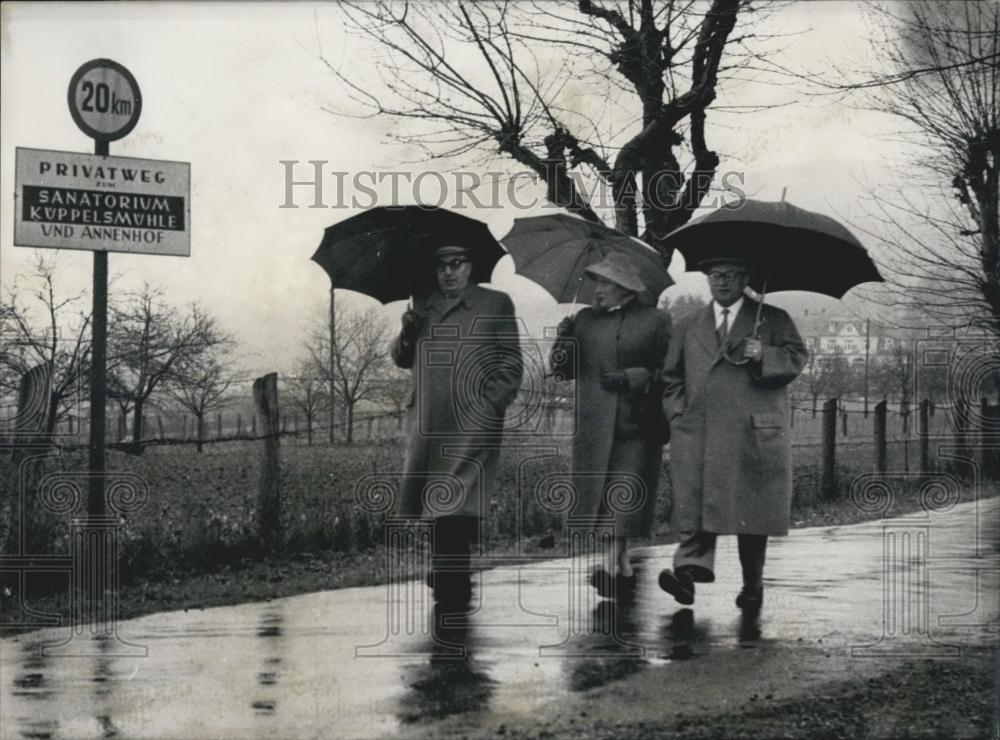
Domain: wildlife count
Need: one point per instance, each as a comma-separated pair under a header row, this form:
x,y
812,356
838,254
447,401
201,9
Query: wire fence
x,y
197,510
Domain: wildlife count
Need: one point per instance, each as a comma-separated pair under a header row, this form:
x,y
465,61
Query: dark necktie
x,y
723,329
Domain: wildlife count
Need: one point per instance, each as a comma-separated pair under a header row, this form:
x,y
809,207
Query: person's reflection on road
x,y
450,682
609,653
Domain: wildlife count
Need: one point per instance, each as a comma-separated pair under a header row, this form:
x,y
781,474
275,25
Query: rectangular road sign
x,y
68,200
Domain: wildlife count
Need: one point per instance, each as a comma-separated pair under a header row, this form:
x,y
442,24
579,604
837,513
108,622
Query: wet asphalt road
x,y
362,662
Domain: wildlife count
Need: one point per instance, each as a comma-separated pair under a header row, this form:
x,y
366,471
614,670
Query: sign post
x,y
105,102
71,200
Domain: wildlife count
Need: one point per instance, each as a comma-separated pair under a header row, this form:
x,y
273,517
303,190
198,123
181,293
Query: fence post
x,y
121,428
843,422
218,425
265,396
239,425
995,428
829,481
960,421
253,426
881,456
986,451
159,427
924,432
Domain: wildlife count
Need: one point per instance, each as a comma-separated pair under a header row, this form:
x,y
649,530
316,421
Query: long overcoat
x,y
466,369
729,446
616,468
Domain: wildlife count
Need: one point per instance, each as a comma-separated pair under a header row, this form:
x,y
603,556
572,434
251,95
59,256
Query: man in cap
x,y
461,342
730,461
613,349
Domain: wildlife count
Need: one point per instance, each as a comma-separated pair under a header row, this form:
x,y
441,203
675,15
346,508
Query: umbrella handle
x,y
757,322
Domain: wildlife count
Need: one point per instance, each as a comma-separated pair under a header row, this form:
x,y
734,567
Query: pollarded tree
x,y
593,97
938,76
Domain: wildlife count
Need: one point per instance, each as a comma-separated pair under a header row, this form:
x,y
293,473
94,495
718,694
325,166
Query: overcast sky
x,y
234,88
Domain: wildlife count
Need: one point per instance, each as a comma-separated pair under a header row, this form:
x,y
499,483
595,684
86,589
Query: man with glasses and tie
x,y
730,460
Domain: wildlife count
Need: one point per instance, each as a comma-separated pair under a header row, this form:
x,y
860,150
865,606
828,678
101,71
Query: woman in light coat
x,y
613,350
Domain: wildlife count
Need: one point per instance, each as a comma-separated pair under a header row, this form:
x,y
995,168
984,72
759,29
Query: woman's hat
x,y
620,270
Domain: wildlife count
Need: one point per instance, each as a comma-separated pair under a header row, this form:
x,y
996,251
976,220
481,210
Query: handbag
x,y
653,423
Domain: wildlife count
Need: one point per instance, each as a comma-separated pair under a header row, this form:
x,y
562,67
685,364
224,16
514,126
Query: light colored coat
x,y
609,443
466,363
730,461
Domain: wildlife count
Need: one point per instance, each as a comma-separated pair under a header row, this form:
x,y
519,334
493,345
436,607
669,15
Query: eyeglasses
x,y
725,277
450,264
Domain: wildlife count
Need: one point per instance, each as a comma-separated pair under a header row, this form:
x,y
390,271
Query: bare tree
x,y
895,378
841,376
938,76
595,96
58,338
149,344
360,357
395,387
683,306
814,379
200,381
308,394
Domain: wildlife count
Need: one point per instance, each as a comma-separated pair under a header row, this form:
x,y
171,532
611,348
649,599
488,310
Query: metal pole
x,y
925,435
333,353
881,446
867,339
829,449
98,361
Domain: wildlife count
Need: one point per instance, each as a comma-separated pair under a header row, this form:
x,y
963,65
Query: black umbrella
x,y
555,250
387,252
790,248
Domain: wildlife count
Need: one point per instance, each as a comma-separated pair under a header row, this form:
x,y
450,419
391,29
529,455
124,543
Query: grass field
x,y
191,539
193,512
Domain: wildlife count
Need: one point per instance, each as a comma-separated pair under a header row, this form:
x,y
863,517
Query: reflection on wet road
x,y
342,664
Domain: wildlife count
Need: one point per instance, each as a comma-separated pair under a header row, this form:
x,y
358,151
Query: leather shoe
x,y
625,587
613,587
603,582
697,573
750,598
679,585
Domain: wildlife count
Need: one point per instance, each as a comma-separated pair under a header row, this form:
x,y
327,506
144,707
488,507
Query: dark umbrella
x,y
387,252
554,251
789,247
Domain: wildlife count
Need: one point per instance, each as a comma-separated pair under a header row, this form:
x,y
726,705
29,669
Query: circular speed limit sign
x,y
104,100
